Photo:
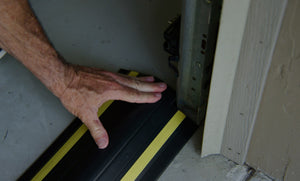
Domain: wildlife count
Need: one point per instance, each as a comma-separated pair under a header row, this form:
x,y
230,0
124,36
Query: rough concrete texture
x,y
188,165
30,118
259,176
210,168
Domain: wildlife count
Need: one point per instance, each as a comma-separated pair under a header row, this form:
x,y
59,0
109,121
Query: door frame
x,y
247,36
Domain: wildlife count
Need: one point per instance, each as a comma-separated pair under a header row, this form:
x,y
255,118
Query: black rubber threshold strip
x,y
144,139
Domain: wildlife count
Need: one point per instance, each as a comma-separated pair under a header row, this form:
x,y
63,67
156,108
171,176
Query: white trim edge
x,y
232,25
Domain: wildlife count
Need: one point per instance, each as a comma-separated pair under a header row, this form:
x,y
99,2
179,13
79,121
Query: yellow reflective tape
x,y
70,143
104,107
154,147
133,74
60,153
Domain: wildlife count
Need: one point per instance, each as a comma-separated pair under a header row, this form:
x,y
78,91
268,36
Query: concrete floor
x,y
188,165
106,34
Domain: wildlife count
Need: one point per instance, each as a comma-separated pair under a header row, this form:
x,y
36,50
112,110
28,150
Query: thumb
x,y
98,132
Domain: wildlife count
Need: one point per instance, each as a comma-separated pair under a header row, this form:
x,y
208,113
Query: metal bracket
x,y
199,30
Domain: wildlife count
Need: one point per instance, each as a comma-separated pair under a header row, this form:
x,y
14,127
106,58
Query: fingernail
x,y
102,143
157,94
162,85
150,78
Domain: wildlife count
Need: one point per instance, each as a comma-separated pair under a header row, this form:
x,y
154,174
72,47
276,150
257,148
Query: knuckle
x,y
109,74
113,85
136,84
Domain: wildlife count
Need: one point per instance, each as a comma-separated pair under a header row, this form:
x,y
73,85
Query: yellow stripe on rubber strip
x,y
70,143
154,147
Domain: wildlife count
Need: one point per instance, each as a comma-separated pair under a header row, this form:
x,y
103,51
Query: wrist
x,y
64,79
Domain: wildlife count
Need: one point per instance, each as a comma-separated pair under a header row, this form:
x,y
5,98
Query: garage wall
x,y
274,146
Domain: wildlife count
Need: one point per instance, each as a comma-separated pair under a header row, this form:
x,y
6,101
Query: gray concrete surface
x,y
189,166
31,118
210,168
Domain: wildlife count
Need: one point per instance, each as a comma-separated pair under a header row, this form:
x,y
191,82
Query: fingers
x,y
144,84
134,96
98,132
92,87
146,79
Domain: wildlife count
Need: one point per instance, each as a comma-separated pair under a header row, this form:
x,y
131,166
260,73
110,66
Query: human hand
x,y
89,88
82,90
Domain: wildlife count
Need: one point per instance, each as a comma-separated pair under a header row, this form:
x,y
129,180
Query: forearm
x,y
23,37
